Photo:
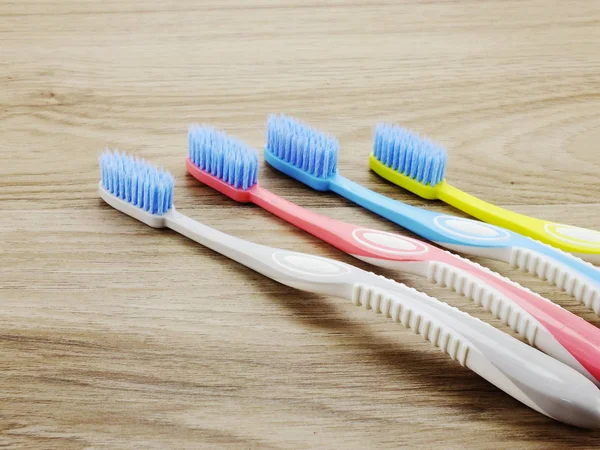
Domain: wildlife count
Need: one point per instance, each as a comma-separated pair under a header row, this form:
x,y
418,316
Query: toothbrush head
x,y
222,162
304,153
408,160
136,187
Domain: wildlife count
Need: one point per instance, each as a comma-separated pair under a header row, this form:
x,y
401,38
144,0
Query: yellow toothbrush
x,y
418,165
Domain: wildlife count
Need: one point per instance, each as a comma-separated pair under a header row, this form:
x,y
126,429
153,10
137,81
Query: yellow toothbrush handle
x,y
583,242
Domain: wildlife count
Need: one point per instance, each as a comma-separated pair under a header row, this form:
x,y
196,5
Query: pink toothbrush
x,y
230,167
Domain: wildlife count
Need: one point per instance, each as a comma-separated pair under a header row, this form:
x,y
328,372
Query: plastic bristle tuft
x,y
223,156
410,154
304,147
137,182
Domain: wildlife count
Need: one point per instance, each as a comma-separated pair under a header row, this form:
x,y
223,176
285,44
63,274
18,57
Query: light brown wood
x,y
115,335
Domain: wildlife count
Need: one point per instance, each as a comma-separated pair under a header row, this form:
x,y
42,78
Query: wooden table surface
x,y
116,335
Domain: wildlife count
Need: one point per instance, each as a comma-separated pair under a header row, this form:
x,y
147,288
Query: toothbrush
x,y
231,167
144,192
418,165
291,146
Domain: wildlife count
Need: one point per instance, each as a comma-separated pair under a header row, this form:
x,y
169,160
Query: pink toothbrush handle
x,y
580,338
546,325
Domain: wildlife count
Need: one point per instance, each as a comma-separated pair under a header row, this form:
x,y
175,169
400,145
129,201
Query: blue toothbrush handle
x,y
441,228
579,278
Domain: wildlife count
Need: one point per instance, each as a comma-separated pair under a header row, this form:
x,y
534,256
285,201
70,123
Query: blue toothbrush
x,y
310,156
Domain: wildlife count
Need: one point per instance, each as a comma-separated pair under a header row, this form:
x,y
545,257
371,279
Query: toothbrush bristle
x,y
304,147
137,182
410,154
223,156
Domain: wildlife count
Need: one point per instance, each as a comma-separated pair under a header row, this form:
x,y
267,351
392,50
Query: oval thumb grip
x,y
583,237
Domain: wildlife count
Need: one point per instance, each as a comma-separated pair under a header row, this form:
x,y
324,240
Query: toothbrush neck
x,y
325,228
216,240
407,216
483,210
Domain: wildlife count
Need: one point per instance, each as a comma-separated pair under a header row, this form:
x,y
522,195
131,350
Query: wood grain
x,y
114,335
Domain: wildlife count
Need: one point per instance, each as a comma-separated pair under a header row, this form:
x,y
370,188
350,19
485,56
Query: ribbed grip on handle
x,y
535,379
442,337
491,300
546,325
583,289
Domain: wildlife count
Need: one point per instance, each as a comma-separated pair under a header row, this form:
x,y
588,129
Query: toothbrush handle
x,y
419,221
301,271
533,378
440,228
546,325
574,275
579,278
580,241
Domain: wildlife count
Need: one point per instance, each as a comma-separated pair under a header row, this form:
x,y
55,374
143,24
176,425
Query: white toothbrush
x,y
145,192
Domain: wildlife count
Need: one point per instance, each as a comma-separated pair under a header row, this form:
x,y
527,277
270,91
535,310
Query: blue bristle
x,y
410,154
223,156
137,182
304,147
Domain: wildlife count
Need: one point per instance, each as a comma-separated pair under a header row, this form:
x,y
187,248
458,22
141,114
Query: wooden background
x,y
115,335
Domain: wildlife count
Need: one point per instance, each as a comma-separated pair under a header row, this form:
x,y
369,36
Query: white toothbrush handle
x,y
511,303
528,375
305,272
